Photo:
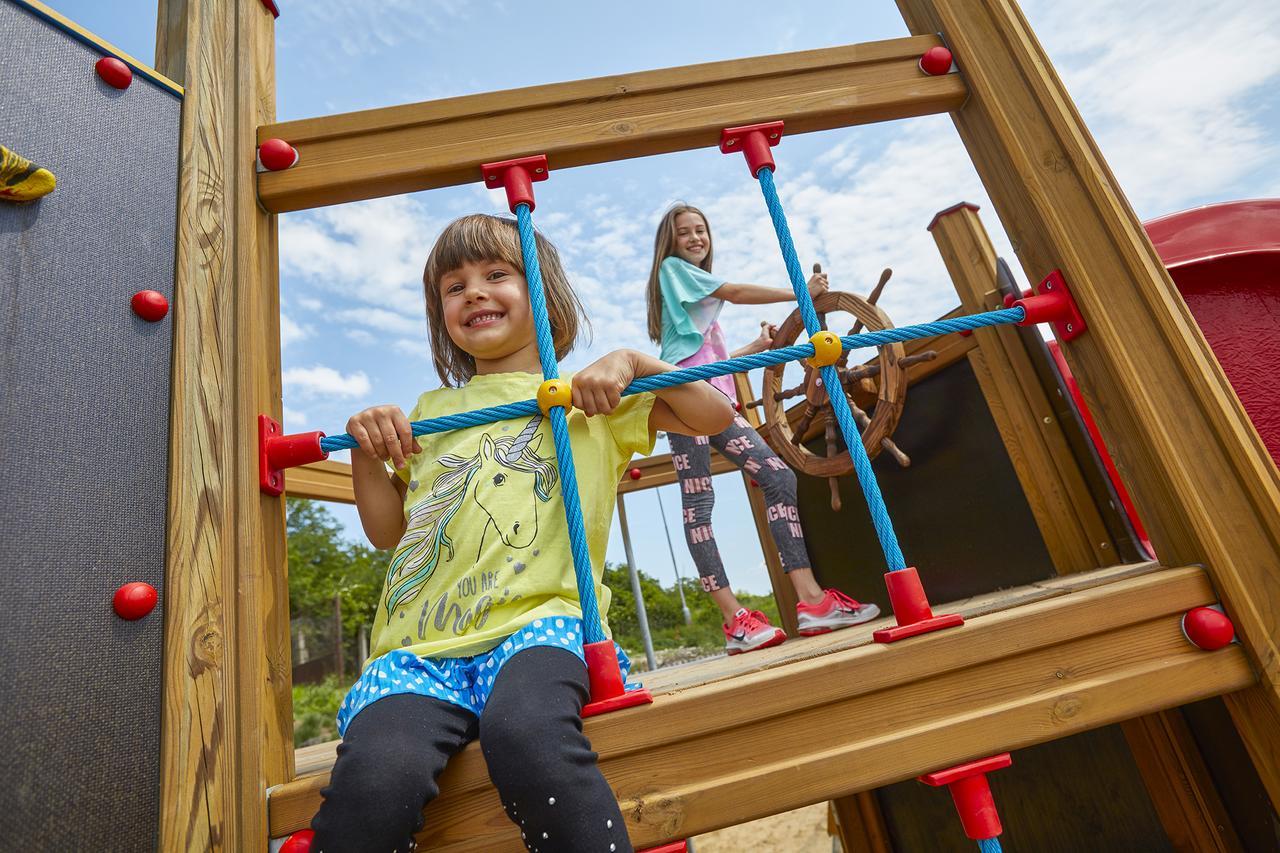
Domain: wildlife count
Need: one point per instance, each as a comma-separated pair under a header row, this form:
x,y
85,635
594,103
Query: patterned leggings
x,y
744,447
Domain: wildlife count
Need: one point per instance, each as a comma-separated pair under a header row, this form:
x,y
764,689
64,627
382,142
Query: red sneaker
x,y
835,611
750,630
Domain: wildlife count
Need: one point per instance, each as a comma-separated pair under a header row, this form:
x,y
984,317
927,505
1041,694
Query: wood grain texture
x,y
227,720
441,143
1201,478
1168,759
1007,679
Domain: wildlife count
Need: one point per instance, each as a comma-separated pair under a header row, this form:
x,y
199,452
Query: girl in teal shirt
x,y
685,299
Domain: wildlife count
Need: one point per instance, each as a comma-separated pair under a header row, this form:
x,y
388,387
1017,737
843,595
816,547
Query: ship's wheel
x,y
884,380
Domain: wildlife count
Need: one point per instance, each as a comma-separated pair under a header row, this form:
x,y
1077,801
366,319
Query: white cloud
x,y
360,336
386,321
1173,100
294,420
320,382
290,331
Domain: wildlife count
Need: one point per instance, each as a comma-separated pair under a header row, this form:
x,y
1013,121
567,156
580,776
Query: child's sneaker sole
x,y
776,640
865,614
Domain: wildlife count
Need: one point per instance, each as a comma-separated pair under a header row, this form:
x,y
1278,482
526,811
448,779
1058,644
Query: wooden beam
x,y
1175,775
227,716
441,143
1069,521
1202,480
1004,680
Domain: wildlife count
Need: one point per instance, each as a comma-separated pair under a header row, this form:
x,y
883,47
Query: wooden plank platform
x,y
441,143
1032,664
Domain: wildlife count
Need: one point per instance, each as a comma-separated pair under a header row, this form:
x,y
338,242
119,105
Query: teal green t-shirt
x,y
688,308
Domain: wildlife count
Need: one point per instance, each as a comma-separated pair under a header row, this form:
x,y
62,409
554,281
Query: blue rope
x,y
560,431
989,845
741,364
839,405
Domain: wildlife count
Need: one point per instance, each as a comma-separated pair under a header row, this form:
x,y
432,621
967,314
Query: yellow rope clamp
x,y
555,392
826,349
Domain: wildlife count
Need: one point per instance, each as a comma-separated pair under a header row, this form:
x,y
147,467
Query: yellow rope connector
x,y
826,349
555,392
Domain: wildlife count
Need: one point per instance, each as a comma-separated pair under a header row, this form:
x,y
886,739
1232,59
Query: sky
x,y
1181,96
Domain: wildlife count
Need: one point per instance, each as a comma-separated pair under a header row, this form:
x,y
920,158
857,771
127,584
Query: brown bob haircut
x,y
478,238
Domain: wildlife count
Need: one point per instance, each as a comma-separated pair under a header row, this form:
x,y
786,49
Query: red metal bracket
x,y
277,451
516,177
1052,303
972,794
753,140
911,608
608,692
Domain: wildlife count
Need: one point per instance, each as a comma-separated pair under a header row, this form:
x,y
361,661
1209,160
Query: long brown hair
x,y
664,246
479,238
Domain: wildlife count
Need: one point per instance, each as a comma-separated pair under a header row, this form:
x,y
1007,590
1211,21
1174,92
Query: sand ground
x,y
801,831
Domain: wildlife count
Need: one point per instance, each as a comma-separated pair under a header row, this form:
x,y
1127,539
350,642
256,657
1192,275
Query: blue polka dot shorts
x,y
466,682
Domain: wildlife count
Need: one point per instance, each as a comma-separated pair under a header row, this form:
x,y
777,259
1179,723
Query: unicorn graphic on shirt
x,y
501,466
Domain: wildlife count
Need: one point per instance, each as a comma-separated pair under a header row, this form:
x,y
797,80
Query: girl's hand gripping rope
x,y
383,433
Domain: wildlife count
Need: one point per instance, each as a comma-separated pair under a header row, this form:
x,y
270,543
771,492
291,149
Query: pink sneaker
x,y
835,611
750,630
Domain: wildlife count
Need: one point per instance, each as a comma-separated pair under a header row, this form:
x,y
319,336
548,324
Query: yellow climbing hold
x,y
22,180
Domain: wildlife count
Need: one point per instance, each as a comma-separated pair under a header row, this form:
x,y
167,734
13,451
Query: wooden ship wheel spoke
x,y
884,381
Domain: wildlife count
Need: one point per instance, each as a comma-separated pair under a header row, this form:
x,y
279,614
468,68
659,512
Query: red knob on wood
x,y
134,600
114,72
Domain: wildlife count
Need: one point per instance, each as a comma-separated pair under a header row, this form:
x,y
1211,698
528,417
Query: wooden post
x,y
1181,789
1202,480
227,718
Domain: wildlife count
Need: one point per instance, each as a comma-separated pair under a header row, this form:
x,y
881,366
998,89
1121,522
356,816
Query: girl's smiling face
x,y
487,313
693,240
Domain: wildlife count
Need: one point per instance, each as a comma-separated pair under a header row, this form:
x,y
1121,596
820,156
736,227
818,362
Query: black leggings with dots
x,y
531,735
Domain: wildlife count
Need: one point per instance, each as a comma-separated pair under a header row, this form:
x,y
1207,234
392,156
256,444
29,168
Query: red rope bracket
x,y
277,451
753,140
1051,302
608,692
516,177
972,794
911,609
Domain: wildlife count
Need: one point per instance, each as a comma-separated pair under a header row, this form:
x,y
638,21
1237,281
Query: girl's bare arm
x,y
383,433
759,294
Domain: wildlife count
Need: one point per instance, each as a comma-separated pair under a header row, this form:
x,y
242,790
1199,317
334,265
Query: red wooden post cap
x,y
517,178
134,600
150,305
754,141
114,72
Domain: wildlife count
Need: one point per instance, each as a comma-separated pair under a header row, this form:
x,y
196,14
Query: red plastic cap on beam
x,y
276,155
271,7
299,842
277,451
1208,628
753,140
608,692
517,178
114,72
911,609
972,794
936,61
673,847
1053,303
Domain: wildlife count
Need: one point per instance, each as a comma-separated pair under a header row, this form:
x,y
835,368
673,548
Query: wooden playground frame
x,y
1205,486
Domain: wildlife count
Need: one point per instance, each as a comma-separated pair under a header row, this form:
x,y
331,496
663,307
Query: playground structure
x,y
1097,647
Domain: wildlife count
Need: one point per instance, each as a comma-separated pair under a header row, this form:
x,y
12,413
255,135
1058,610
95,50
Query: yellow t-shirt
x,y
486,549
